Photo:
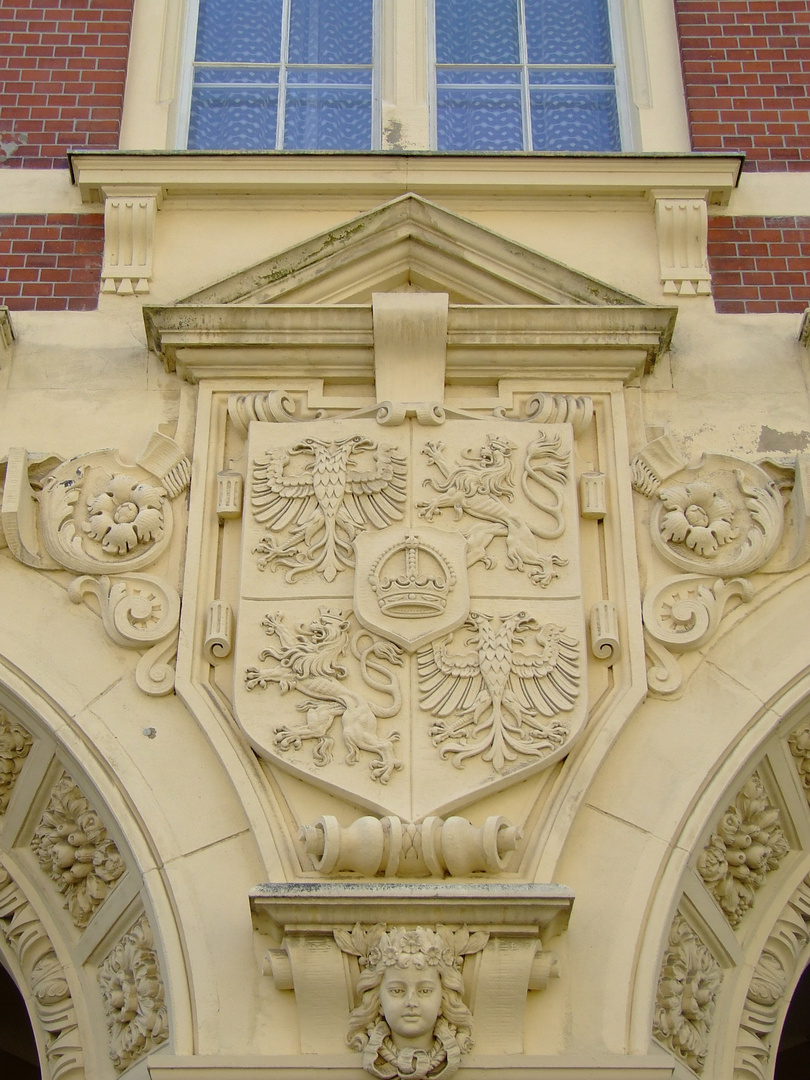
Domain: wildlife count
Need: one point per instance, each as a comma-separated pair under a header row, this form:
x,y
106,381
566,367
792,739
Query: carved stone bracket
x,y
773,976
6,328
129,239
390,846
682,225
302,920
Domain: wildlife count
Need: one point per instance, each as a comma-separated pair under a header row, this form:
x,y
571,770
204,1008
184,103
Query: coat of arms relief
x,y
411,628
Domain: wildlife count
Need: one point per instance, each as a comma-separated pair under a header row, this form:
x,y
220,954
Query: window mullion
x,y
282,74
524,76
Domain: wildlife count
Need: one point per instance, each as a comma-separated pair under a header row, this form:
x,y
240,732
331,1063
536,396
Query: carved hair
x,y
368,1030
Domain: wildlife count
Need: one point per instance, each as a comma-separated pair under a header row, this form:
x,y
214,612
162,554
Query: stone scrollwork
x,y
747,845
687,995
74,849
561,409
53,1007
773,975
133,994
412,1020
681,614
273,406
312,660
15,742
500,701
137,610
390,846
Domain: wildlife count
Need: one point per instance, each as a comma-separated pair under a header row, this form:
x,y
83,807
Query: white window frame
x,y
189,48
409,45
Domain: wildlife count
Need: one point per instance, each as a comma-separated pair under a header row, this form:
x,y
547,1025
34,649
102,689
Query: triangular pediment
x,y
409,244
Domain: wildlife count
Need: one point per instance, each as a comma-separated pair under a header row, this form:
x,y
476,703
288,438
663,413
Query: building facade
x,y
405,572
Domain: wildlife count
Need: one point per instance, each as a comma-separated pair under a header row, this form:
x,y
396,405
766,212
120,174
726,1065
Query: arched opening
x,y
793,1054
18,1049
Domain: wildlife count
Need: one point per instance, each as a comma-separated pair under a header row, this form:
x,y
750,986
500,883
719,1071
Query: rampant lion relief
x,y
481,484
312,659
422,607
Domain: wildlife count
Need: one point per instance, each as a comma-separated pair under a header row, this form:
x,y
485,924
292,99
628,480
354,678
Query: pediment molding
x,y
312,305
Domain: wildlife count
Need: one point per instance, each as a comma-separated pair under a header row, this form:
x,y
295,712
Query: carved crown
x,y
412,579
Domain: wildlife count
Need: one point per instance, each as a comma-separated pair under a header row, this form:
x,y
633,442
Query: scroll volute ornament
x,y
94,514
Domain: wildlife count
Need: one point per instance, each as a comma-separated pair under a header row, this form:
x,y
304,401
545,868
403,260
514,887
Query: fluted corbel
x,y
129,238
682,225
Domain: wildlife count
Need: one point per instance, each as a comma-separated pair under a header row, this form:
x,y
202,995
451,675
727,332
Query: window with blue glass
x,y
283,74
525,75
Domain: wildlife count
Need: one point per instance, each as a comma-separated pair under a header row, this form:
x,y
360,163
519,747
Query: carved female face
x,y
411,1000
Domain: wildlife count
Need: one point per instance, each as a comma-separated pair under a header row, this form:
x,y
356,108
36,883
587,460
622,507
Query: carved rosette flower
x,y
746,846
73,847
127,513
15,742
698,517
133,995
687,993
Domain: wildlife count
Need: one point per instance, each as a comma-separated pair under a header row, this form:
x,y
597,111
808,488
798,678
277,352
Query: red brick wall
x,y
62,69
760,264
50,262
746,66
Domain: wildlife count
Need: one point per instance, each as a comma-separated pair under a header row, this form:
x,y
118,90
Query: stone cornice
x,y
185,175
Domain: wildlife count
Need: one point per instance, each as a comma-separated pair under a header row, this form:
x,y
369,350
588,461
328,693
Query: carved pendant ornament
x,y
404,600
107,521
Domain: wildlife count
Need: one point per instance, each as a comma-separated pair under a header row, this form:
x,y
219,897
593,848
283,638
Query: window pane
x,y
338,119
330,32
233,30
228,76
479,120
462,76
234,118
568,32
325,76
477,32
571,76
575,120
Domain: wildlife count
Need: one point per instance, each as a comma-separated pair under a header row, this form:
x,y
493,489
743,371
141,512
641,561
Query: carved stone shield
x,y
410,624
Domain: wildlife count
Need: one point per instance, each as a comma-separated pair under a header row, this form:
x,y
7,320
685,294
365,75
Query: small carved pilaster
x,y
129,239
682,224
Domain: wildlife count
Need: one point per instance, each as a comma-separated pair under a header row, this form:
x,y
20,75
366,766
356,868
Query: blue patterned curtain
x,y
244,69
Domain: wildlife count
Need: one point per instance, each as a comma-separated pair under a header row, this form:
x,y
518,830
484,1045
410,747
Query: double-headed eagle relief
x,y
407,600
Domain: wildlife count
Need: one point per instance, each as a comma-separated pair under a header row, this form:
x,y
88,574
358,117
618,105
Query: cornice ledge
x,y
344,1067
278,907
227,341
189,175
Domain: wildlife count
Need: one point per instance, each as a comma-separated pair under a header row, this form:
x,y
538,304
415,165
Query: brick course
x,y
50,262
760,264
746,67
62,70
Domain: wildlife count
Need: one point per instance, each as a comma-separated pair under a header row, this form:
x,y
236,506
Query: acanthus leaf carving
x,y
499,693
15,742
311,659
74,849
54,1010
687,995
133,994
746,846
